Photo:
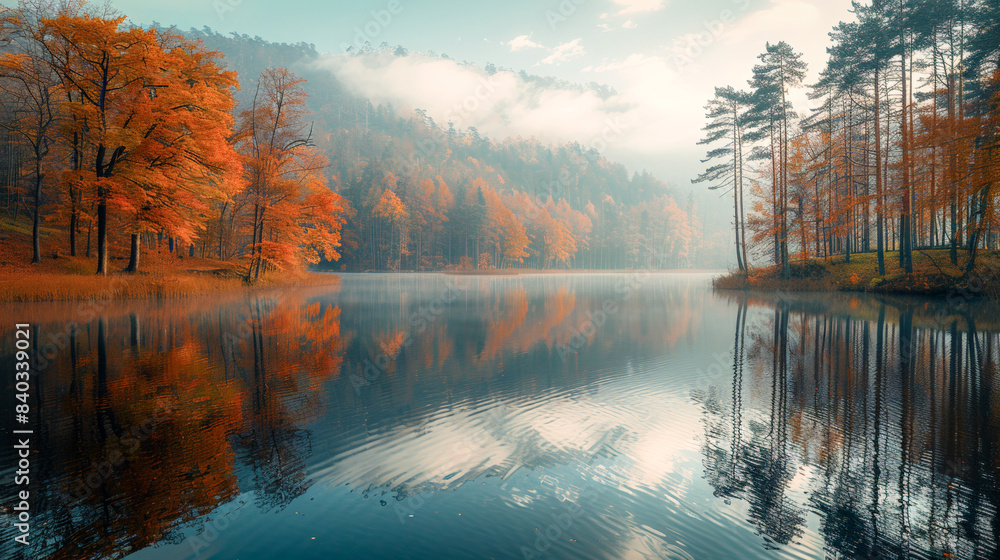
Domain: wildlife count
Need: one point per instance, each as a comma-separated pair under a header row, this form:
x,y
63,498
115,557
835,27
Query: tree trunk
x,y
133,260
102,235
35,227
905,235
977,232
880,204
74,221
736,191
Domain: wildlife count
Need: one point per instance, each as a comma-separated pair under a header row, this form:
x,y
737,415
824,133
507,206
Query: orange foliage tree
x,y
296,217
146,114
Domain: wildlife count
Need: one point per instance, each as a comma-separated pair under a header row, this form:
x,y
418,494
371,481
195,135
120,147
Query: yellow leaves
x,y
515,238
560,246
444,200
390,207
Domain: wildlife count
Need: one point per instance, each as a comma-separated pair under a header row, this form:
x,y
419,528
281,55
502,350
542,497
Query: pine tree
x,y
727,121
781,69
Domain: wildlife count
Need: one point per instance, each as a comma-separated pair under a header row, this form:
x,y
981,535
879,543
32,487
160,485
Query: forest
x,y
898,153
121,141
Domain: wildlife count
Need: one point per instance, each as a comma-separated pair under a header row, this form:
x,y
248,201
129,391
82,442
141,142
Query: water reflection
x,y
576,416
881,412
143,416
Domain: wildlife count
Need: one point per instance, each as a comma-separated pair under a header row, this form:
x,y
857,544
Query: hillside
x,y
458,190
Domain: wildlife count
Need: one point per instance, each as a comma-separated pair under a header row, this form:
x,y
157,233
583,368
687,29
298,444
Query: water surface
x,y
559,416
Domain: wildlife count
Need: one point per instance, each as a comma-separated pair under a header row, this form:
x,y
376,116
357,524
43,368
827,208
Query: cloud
x,y
522,42
639,6
628,126
659,103
562,53
505,104
565,52
630,24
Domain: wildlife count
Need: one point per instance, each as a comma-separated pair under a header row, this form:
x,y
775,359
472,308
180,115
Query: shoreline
x,y
529,271
934,276
47,286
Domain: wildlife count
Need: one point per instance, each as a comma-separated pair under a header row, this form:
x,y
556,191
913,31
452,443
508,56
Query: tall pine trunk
x,y
905,233
879,191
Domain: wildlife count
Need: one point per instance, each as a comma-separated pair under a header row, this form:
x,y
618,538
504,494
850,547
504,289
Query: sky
x,y
663,58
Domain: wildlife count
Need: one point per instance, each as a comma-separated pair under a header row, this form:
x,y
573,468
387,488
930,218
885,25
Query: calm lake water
x,y
549,416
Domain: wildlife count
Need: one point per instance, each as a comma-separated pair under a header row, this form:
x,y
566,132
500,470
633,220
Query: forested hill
x,y
424,195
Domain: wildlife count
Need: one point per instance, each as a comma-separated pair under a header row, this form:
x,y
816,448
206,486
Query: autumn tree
x,y
31,89
296,217
114,72
185,162
390,210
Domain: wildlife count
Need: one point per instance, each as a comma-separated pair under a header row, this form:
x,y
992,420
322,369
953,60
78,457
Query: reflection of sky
x,y
650,427
474,469
628,460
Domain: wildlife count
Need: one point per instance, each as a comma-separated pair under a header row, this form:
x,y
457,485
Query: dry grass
x,y
29,286
162,275
41,286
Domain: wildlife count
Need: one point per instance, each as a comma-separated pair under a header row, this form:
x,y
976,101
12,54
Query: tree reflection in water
x,y
145,423
878,415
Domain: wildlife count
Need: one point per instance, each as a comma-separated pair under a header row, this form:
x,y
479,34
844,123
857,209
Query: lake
x,y
538,416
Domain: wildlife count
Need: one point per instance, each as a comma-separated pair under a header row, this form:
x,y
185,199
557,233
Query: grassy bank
x,y
46,286
933,275
162,275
